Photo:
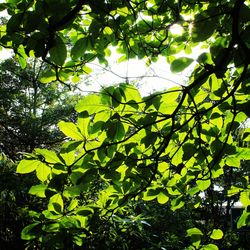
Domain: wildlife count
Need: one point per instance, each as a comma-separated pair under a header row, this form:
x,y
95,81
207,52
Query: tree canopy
x,y
30,110
172,146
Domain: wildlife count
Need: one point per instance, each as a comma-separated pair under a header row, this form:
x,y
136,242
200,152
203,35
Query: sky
x,y
157,77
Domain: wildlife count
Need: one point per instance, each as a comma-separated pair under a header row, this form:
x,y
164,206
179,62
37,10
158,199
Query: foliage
x,y
123,148
14,200
30,109
171,146
28,115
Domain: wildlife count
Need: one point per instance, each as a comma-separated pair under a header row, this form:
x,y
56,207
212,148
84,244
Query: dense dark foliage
x,y
30,110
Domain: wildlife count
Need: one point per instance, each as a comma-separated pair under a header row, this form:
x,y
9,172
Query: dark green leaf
x,y
180,64
58,53
79,48
31,231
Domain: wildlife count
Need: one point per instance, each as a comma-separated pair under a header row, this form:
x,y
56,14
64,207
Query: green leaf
x,y
107,31
210,247
149,139
56,204
69,222
115,130
38,190
58,53
194,231
50,156
180,64
85,178
84,211
3,6
244,219
43,172
27,166
245,198
124,11
68,157
217,234
21,56
233,161
31,231
188,151
203,28
162,198
203,184
73,204
86,69
51,228
14,23
92,104
233,191
51,215
150,194
205,58
177,203
77,240
47,76
70,130
79,48
130,92
122,58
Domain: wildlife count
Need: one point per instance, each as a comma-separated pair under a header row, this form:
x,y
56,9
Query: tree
x,y
30,109
14,201
171,146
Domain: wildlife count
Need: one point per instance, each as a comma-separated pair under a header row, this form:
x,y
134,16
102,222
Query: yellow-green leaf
x,y
38,190
203,184
217,234
27,166
43,172
50,156
70,130
56,204
162,198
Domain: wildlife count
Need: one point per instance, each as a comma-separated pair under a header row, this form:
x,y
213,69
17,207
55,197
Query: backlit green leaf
x,y
162,198
27,166
203,184
91,103
70,130
194,231
38,190
217,234
210,247
50,156
203,27
56,204
243,220
47,76
43,172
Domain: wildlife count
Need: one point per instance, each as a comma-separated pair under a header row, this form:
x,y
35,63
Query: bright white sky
x,y
157,77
